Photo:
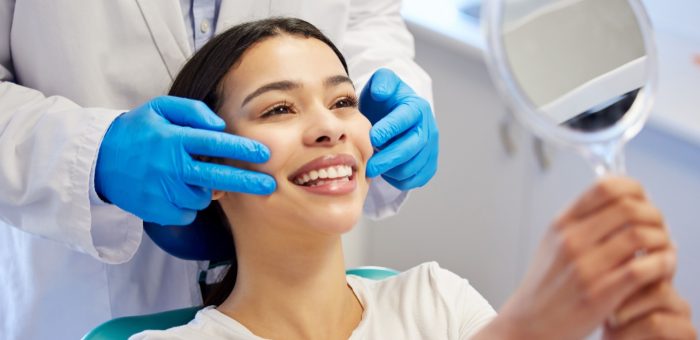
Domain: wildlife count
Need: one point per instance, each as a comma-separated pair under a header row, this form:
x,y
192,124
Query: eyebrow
x,y
288,85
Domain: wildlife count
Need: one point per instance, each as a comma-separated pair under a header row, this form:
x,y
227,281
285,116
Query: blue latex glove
x,y
145,165
403,130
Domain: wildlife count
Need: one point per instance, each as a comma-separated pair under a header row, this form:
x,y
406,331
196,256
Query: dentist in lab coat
x,y
72,193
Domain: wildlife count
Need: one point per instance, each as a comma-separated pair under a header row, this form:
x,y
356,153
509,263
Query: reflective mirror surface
x,y
582,72
580,62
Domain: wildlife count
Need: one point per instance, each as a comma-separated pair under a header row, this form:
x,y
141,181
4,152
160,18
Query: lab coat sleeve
x,y
48,151
377,37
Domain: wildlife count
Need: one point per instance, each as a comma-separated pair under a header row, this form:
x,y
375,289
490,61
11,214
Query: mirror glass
x,y
582,71
581,63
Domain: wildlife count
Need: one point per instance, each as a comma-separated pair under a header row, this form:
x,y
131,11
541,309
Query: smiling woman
x,y
282,82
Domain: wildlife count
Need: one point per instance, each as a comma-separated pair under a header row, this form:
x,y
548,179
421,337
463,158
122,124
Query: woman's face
x,y
293,95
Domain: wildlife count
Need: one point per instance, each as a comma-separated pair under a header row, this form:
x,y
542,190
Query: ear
x,y
217,195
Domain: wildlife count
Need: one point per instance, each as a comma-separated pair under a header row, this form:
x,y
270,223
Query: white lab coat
x,y
67,68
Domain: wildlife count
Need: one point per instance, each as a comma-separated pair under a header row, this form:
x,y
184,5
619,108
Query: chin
x,y
326,214
334,219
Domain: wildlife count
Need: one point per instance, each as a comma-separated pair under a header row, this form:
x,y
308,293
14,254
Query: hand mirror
x,y
579,72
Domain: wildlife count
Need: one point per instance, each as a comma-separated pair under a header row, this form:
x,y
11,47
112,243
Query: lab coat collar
x,y
165,22
167,27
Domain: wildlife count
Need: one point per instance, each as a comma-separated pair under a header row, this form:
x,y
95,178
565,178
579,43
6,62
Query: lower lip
x,y
333,188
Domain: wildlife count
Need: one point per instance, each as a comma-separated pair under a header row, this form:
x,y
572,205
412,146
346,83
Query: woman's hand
x,y
586,267
653,313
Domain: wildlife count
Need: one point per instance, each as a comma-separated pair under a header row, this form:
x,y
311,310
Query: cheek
x,y
278,140
361,128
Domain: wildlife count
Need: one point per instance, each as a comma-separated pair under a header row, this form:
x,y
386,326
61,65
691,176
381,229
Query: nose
x,y
325,128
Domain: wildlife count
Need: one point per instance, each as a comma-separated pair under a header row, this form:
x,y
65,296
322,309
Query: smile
x,y
327,175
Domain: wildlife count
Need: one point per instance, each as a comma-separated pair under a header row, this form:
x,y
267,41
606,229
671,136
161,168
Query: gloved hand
x,y
145,164
403,129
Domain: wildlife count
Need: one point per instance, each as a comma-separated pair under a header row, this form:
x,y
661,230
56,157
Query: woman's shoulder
x,y
431,295
209,323
427,275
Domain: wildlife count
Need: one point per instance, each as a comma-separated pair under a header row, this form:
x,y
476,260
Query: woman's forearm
x,y
500,329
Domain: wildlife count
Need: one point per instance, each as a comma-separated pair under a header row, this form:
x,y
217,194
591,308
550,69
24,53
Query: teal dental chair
x,y
123,328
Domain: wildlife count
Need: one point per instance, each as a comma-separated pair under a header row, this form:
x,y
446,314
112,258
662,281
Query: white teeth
x,y
339,173
332,172
313,174
340,170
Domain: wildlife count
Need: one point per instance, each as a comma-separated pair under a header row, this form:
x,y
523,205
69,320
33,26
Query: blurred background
x,y
498,187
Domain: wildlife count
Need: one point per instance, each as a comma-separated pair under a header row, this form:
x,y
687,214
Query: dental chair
x,y
199,242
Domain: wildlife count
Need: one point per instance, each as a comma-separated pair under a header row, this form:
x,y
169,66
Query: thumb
x,y
187,112
383,84
377,98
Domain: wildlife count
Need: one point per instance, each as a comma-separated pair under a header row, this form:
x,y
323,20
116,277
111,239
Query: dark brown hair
x,y
201,78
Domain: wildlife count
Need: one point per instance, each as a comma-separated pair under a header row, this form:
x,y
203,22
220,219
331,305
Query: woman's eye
x,y
345,102
277,110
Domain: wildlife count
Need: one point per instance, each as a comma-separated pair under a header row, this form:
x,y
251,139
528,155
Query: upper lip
x,y
324,162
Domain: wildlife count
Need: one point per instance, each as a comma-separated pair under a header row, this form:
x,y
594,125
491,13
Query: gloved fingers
x,y
398,152
383,84
382,94
165,213
421,178
396,122
378,97
425,162
228,178
225,145
187,112
192,197
422,167
410,168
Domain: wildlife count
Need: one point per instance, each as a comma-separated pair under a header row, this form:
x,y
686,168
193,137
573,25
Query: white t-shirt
x,y
425,302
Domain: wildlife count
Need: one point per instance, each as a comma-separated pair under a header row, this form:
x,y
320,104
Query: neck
x,y
292,285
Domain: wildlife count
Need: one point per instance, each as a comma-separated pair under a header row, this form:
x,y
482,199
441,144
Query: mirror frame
x,y
531,116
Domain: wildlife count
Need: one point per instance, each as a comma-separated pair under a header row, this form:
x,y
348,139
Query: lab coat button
x,y
204,26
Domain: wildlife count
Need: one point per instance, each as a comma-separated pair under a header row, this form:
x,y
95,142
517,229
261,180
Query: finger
x,y
622,246
187,112
383,84
414,182
398,152
612,218
657,296
418,167
619,284
184,196
227,178
411,168
658,325
419,179
165,213
396,122
225,145
192,198
606,190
